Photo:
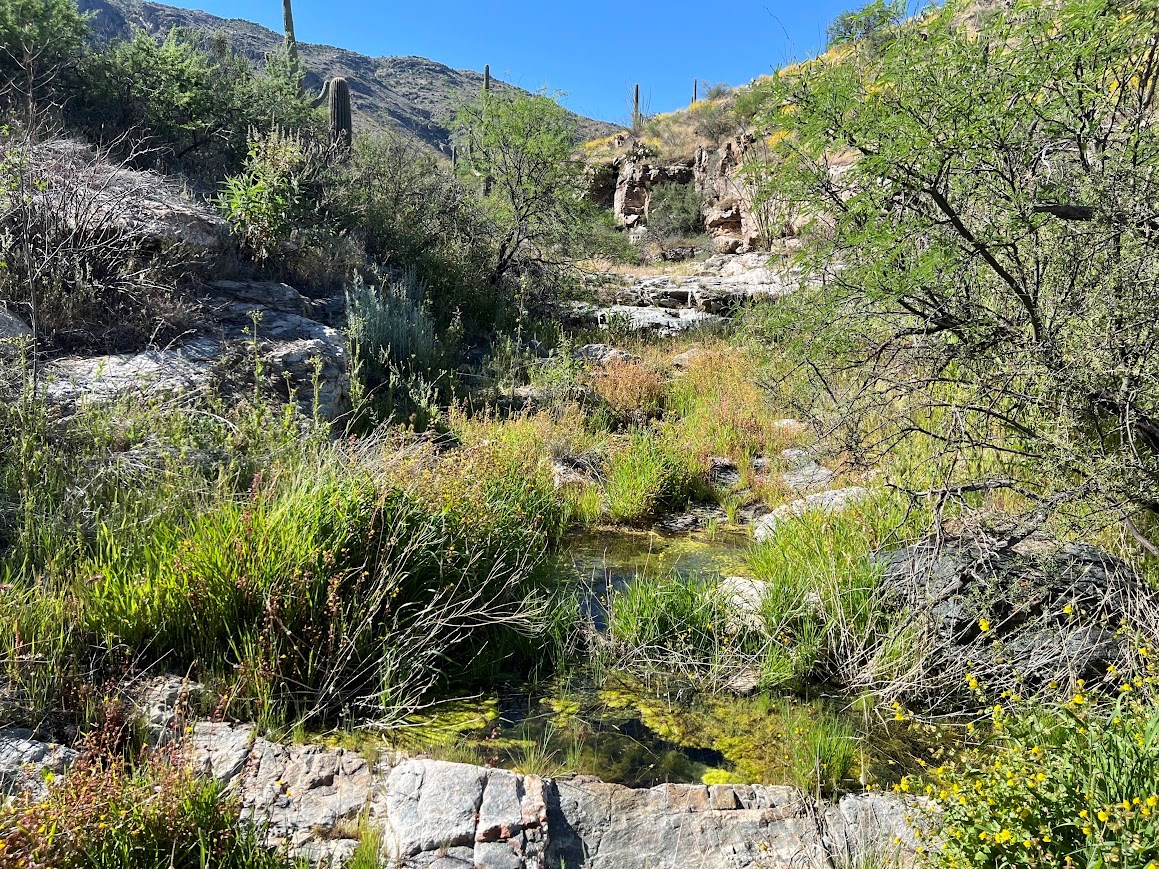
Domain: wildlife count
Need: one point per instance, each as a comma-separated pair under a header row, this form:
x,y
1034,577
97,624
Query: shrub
x,y
632,390
391,328
1066,785
187,103
674,211
157,814
265,204
41,43
411,213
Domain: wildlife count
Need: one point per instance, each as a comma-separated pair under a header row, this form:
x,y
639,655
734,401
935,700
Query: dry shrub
x,y
81,262
634,391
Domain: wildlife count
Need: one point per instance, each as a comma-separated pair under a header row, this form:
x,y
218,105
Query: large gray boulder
x,y
25,761
1017,614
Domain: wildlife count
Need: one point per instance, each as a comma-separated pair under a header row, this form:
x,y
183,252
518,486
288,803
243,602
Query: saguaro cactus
x,y
636,109
291,42
486,96
341,119
695,90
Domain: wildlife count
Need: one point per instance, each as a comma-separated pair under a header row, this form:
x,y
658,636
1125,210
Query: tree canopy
x,y
984,198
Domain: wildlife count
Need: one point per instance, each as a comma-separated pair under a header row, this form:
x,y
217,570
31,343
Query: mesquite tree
x,y
984,195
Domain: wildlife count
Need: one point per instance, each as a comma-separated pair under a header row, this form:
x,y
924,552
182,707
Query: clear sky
x,y
592,50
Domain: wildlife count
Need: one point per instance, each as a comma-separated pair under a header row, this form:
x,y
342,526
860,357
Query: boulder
x,y
24,761
176,371
834,501
152,209
604,354
1019,613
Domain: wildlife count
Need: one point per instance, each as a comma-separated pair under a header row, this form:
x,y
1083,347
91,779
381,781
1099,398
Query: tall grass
x,y
822,606
647,475
304,577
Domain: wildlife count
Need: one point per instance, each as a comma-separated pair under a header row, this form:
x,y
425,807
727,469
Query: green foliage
x,y
109,814
525,145
282,566
410,213
264,205
186,103
645,476
871,24
985,239
392,333
1056,786
41,45
674,211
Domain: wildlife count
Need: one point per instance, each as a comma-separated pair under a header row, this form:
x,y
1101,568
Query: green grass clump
x,y
647,475
822,609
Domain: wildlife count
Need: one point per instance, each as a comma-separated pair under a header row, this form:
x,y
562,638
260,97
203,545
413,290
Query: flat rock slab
x,y
437,814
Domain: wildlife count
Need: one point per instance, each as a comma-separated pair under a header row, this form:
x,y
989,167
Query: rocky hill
x,y
411,95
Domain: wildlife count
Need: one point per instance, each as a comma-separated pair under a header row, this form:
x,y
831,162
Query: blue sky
x,y
593,51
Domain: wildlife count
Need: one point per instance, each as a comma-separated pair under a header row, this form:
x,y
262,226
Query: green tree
x,y
526,145
870,24
985,221
41,44
188,101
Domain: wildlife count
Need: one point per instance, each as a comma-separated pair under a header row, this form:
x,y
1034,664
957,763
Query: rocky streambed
x,y
318,801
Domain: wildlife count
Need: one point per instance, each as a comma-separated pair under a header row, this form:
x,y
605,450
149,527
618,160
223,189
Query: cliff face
x,y
731,216
409,95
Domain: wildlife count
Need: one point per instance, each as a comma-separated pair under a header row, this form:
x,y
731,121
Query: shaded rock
x,y
266,295
723,472
24,761
1036,609
810,477
697,518
12,327
143,204
834,501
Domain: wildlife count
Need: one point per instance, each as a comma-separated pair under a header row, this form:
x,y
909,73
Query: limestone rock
x,y
834,501
604,354
182,370
24,761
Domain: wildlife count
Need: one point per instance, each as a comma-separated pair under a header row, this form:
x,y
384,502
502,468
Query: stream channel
x,y
626,730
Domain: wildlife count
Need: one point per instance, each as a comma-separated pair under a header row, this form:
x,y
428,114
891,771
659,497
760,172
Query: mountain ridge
x,y
411,95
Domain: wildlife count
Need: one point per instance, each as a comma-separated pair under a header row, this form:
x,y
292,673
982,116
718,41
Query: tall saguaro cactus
x,y
695,90
291,43
341,117
486,97
636,110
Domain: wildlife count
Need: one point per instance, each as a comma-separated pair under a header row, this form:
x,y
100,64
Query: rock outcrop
x,y
731,214
1027,613
439,814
